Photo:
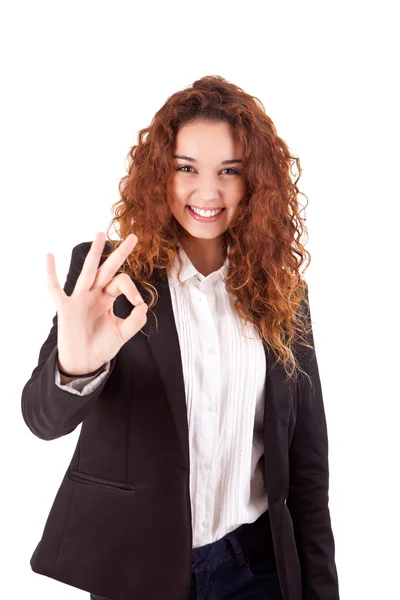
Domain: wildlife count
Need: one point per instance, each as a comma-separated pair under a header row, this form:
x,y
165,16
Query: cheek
x,y
241,189
179,194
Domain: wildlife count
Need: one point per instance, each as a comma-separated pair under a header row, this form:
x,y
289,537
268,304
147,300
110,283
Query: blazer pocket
x,y
105,483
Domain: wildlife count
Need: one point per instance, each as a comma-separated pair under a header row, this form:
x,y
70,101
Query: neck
x,y
206,256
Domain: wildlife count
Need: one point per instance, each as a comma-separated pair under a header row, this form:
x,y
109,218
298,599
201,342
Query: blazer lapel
x,y
164,344
279,398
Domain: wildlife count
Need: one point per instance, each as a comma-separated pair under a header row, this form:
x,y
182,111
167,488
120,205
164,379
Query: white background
x,y
79,79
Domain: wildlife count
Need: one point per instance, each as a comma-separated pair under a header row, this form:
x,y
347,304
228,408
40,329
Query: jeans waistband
x,y
248,536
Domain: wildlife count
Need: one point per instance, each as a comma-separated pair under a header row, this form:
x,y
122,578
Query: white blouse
x,y
224,375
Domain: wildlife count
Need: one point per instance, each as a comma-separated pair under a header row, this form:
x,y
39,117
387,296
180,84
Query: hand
x,y
88,332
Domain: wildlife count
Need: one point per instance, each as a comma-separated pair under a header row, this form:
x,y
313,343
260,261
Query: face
x,y
208,176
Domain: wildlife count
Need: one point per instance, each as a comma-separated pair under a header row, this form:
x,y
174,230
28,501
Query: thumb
x,y
131,325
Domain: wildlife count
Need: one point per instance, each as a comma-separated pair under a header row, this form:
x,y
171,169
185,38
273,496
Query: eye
x,y
184,167
233,171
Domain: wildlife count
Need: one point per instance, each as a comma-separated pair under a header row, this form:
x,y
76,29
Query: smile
x,y
205,216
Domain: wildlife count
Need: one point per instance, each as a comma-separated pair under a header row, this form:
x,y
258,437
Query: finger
x,y
53,284
123,284
130,326
90,264
110,266
90,268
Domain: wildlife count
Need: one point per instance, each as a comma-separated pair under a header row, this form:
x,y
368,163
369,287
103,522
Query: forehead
x,y
207,140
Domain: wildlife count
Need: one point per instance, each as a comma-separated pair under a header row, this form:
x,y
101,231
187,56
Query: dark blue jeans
x,y
239,566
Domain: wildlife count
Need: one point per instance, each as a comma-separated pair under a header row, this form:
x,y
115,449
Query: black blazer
x,y
120,524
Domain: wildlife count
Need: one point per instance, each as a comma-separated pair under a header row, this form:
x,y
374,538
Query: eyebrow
x,y
224,162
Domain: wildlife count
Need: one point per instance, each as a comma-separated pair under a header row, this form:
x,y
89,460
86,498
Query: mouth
x,y
207,216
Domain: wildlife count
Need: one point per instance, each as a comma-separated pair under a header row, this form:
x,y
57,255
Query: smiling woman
x,y
201,467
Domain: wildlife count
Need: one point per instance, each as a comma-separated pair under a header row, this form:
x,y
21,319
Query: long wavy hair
x,y
264,241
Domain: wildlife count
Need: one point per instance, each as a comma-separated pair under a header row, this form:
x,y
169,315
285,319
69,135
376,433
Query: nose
x,y
208,188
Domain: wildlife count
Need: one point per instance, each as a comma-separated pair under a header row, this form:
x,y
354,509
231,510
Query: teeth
x,y
204,213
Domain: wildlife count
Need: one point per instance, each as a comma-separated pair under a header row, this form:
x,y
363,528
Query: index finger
x,y
91,272
113,262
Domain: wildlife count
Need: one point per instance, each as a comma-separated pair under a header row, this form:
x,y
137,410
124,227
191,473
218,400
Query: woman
x,y
185,350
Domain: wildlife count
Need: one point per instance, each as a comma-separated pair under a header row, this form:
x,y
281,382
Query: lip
x,y
205,219
206,208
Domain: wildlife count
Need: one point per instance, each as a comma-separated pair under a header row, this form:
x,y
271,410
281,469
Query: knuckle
x,y
124,278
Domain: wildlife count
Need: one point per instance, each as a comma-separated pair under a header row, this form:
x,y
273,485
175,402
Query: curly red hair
x,y
265,249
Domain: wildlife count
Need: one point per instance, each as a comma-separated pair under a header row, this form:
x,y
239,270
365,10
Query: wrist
x,y
79,375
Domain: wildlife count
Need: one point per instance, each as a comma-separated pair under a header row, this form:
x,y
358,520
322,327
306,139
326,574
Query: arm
x,y
309,484
51,411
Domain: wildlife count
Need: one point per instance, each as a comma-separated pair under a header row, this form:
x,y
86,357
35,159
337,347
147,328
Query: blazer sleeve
x,y
49,410
308,496
83,386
